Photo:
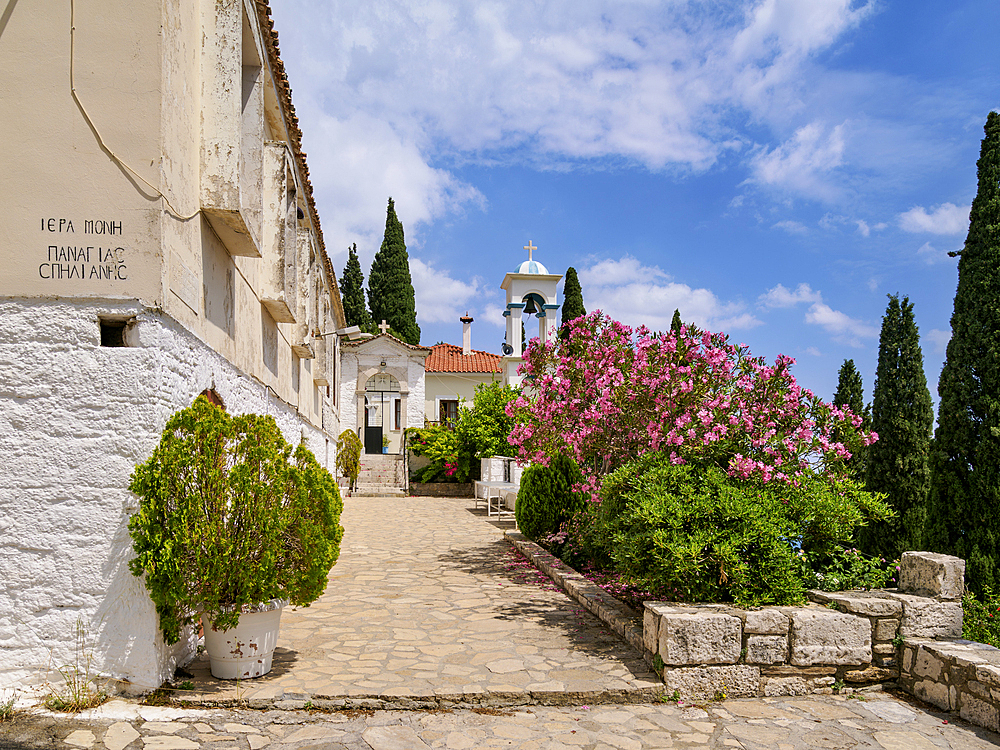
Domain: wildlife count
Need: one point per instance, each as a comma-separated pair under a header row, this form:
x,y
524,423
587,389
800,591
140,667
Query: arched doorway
x,y
378,400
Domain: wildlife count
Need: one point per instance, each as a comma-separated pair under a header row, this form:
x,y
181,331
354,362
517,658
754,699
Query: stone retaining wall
x,y
956,675
846,641
442,489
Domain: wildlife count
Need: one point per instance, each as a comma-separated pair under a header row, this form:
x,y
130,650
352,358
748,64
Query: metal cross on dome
x,y
383,327
530,248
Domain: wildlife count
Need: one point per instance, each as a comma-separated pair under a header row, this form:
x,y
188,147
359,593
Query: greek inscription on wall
x,y
83,262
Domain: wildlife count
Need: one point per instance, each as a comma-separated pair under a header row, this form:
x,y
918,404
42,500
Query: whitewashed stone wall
x,y
75,418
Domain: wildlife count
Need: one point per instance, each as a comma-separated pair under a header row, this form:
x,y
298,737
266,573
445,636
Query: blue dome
x,y
532,266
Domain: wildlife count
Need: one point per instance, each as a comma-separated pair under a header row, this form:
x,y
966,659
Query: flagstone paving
x,y
879,722
428,602
428,607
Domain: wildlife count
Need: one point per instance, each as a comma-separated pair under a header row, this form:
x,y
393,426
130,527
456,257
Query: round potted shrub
x,y
232,525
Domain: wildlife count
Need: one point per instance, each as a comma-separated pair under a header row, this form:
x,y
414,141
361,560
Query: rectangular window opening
x,y
113,331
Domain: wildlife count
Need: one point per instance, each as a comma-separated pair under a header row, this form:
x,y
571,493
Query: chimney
x,y
466,334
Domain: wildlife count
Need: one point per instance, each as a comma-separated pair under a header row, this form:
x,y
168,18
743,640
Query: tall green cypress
x,y
572,307
390,289
963,516
850,393
352,292
675,322
903,417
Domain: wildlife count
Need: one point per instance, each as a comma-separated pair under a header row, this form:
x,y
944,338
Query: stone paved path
x,y
880,722
428,601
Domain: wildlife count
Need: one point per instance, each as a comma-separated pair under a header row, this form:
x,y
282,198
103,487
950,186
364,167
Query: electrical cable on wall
x,y
86,116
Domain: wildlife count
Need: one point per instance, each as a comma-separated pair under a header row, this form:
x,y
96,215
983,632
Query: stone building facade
x,y
158,239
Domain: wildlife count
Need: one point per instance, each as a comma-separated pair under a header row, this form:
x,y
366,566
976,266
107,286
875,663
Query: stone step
x,y
377,490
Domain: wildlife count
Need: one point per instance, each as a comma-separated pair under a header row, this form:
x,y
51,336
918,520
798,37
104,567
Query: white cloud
x,y
863,229
780,296
931,254
357,163
938,339
803,163
387,89
944,219
637,295
812,350
841,326
440,298
791,226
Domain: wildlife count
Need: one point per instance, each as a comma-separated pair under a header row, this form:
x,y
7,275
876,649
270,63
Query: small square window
x,y
113,331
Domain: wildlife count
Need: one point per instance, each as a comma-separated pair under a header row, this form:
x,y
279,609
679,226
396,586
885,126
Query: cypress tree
x,y
965,463
352,292
572,307
850,393
903,417
675,322
390,289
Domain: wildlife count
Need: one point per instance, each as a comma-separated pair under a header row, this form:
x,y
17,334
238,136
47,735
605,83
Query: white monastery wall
x,y
75,419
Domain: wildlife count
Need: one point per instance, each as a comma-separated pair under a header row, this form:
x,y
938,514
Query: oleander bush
x,y
231,517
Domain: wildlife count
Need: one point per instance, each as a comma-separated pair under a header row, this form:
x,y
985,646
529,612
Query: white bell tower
x,y
530,289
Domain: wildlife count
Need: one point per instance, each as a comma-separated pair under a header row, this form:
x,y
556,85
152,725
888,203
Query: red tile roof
x,y
449,358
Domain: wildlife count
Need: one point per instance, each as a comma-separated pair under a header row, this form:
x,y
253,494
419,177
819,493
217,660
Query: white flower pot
x,y
246,650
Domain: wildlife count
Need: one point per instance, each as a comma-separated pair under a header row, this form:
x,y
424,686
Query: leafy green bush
x,y
701,535
349,456
449,462
981,617
229,518
547,498
845,569
479,432
484,427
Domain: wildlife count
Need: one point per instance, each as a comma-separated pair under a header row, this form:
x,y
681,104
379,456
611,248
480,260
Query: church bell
x,y
530,308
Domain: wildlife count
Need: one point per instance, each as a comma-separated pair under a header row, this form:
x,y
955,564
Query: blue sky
x,y
772,168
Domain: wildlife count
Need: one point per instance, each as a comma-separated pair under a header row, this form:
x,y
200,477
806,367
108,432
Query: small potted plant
x,y
232,525
385,443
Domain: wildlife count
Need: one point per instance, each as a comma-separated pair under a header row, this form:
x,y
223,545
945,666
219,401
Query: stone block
x,y
766,622
934,693
929,618
988,674
979,712
867,603
737,681
931,574
889,662
650,630
767,649
885,630
775,686
701,638
884,648
823,636
871,674
927,665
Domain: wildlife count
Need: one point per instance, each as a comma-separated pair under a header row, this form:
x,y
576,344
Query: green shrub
x,y
449,461
484,427
981,617
349,456
846,569
546,498
701,535
229,518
